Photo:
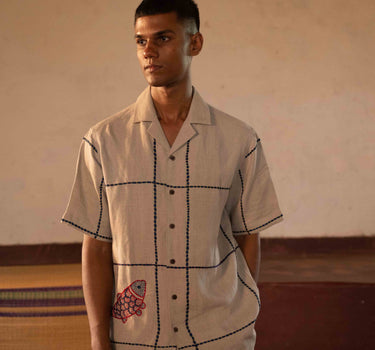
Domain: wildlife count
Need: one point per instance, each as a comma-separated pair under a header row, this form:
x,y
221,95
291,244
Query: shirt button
x,y
174,296
172,157
175,329
171,225
172,261
171,191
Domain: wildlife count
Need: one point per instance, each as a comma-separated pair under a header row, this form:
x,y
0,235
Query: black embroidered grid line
x,y
256,228
221,337
184,267
196,186
233,332
129,183
230,242
252,149
145,345
156,251
101,206
248,287
187,244
83,229
94,148
227,238
164,184
243,216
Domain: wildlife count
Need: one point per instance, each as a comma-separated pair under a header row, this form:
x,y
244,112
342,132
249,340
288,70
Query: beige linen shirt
x,y
171,213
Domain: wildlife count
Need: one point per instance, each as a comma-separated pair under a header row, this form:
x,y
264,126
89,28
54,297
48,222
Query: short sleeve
x,y
87,209
252,202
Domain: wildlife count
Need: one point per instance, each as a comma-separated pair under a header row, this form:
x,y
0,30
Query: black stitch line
x,y
228,239
83,229
84,138
183,267
187,244
156,250
233,332
101,206
243,216
130,183
248,287
164,184
252,149
221,337
145,345
256,228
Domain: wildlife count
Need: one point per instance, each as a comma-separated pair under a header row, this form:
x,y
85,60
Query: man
x,y
171,194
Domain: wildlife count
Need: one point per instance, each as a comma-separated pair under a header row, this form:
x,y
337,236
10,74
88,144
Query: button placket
x,y
172,227
171,192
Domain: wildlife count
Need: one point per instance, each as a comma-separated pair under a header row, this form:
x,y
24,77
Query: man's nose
x,y
150,50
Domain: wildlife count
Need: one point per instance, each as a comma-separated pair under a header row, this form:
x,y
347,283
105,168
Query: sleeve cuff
x,y
85,231
261,227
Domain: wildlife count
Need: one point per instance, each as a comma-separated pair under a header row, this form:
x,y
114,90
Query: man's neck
x,y
172,103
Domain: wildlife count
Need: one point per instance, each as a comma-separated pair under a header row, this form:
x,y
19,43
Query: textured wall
x,y
300,71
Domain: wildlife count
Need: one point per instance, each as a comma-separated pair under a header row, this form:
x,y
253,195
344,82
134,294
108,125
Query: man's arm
x,y
250,247
97,279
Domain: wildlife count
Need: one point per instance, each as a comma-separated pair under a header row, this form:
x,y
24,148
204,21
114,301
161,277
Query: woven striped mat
x,y
43,318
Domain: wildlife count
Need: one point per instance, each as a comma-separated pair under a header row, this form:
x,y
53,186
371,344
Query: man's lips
x,y
152,67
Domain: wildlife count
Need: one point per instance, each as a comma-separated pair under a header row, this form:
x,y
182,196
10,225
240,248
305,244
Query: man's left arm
x,y
250,247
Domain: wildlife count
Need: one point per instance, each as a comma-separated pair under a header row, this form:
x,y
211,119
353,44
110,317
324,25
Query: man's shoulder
x,y
231,125
116,121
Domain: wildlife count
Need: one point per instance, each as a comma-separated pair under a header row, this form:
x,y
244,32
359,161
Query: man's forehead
x,y
158,22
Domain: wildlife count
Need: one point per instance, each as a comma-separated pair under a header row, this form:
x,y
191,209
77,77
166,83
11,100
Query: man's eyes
x,y
160,39
163,38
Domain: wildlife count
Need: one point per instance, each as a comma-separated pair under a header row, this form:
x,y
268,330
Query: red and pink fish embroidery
x,y
130,301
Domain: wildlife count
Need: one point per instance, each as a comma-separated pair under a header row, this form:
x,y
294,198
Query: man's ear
x,y
196,44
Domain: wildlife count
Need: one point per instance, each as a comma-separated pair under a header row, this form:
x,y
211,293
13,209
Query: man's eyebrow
x,y
162,32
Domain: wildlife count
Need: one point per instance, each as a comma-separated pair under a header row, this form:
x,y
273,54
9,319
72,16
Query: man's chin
x,y
155,83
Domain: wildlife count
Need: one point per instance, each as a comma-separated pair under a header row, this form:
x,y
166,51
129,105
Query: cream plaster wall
x,y
300,71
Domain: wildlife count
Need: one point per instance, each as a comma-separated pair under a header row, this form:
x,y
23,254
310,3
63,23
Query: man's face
x,y
163,49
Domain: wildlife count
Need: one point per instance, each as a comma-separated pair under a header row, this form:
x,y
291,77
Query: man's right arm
x,y
97,280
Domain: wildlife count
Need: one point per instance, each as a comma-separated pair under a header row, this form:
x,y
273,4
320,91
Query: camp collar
x,y
199,112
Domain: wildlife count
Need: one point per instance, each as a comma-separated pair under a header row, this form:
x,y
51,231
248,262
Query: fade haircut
x,y
186,10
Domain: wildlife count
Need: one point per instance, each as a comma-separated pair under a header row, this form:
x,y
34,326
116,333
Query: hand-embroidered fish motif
x,y
130,301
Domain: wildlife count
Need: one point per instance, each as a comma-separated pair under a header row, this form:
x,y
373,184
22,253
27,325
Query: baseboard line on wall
x,y
40,254
70,253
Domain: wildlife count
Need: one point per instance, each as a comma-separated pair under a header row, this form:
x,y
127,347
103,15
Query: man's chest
x,y
206,159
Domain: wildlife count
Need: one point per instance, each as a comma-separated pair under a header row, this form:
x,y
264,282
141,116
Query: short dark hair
x,y
185,9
